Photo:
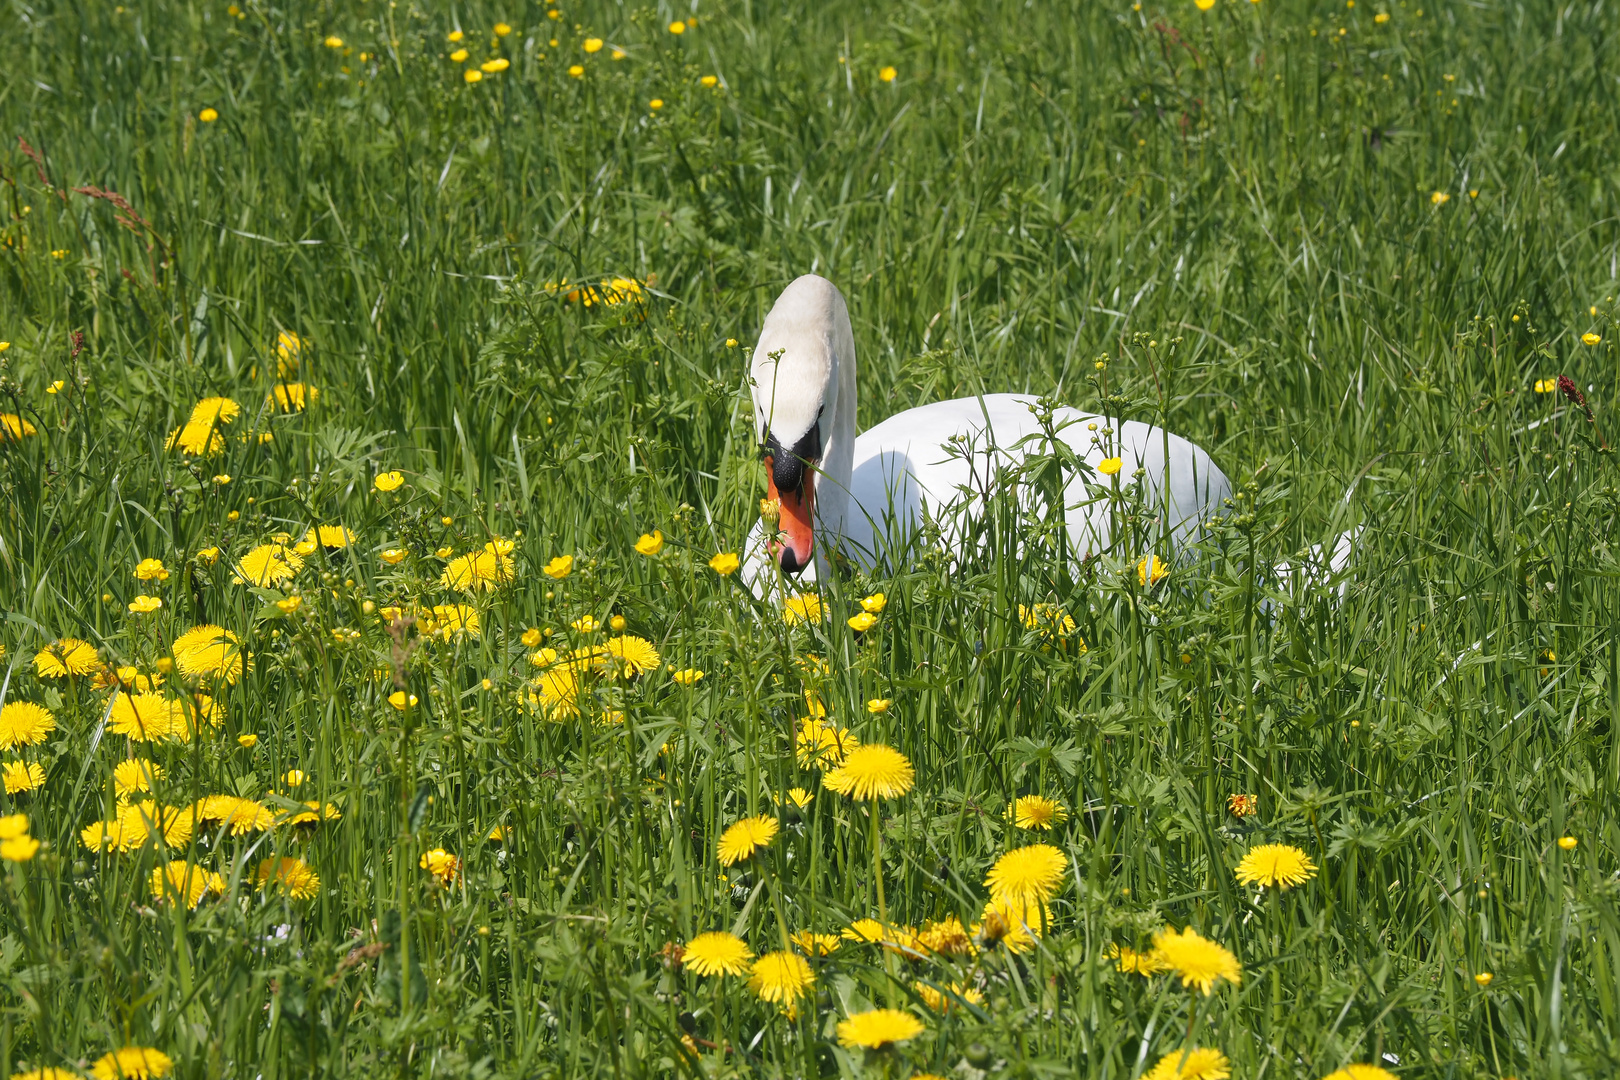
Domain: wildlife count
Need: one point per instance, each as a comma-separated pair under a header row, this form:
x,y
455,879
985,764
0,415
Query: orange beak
x,y
794,543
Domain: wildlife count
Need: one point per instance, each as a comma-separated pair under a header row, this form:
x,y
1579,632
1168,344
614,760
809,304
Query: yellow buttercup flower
x,y
1439,198
709,80
1278,866
745,837
593,44
650,543
875,603
862,622
1110,466
151,570
208,116
1197,1063
716,953
401,700
887,74
1567,842
878,705
875,1029
1199,961
472,75
14,427
442,865
560,567
495,66
873,771
388,481
725,564
1483,979
1590,338
334,42
1204,5
677,27
459,56
576,71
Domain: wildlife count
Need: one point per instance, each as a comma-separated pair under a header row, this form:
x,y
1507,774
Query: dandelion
x,y
240,816
268,565
799,797
23,723
1199,961
294,397
876,1029
633,655
151,570
295,877
946,936
48,1072
781,978
495,66
1242,806
13,826
14,428
1278,866
1051,621
822,745
1028,875
710,81
866,931
1590,338
141,1062
1036,812
716,953
943,1000
331,537
805,607
1360,1072
1197,1063
687,676
66,656
1130,961
559,568
862,622
480,570
135,775
650,543
209,652
502,29
444,866
21,776
313,814
1204,5
1011,924
451,620
1151,570
184,882
745,837
873,771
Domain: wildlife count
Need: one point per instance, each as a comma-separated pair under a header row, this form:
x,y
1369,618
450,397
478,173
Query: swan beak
x,y
795,539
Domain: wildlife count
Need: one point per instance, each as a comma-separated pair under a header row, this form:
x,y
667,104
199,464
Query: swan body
x,y
868,496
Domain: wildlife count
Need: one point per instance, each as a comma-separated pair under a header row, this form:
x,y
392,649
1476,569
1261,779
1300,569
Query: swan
x,y
866,496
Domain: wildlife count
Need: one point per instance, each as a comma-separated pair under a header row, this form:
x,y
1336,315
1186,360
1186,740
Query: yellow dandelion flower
x,y
1199,961
1196,1063
313,814
295,877
822,744
13,825
1360,1072
1050,621
331,537
1278,866
798,797
1036,812
812,943
21,776
650,543
1242,806
292,397
1151,570
135,775
716,953
451,620
1028,875
209,652
1011,924
13,428
725,564
67,656
710,80
141,1062
745,837
947,936
943,999
632,655
656,104
479,570
288,346
560,567
48,1072
805,607
184,882
240,816
445,867
269,564
23,723
866,931
19,849
1131,961
875,1029
873,771
687,676
781,978
145,717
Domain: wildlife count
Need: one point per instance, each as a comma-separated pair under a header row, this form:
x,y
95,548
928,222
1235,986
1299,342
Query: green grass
x,y
1236,209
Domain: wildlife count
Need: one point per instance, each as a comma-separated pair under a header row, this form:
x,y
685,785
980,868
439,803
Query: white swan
x,y
866,496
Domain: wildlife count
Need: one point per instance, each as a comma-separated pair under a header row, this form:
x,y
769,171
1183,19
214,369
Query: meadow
x,y
378,700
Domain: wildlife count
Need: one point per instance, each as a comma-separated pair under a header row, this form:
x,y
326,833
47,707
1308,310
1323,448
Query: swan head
x,y
795,377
